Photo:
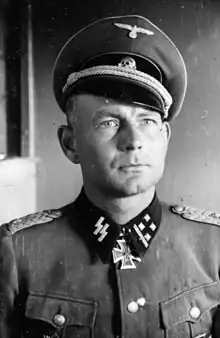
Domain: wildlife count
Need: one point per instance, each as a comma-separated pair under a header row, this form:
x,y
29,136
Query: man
x,y
116,262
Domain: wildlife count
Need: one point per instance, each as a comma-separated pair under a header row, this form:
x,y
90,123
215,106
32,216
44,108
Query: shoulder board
x,y
198,215
32,219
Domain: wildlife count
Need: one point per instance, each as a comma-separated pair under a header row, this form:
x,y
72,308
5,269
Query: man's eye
x,y
109,124
149,122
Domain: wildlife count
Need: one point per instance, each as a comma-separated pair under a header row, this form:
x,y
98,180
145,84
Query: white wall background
x,y
17,188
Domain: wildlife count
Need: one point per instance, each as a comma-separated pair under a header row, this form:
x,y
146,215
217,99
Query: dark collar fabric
x,y
104,233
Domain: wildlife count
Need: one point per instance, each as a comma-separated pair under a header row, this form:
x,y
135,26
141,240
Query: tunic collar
x,y
105,234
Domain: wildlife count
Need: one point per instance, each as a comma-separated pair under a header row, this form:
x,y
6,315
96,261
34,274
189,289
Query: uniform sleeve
x,y
8,287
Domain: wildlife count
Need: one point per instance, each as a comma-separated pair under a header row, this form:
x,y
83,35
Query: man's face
x,y
121,147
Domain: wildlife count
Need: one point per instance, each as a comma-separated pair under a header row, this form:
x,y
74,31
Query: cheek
x,y
158,150
94,152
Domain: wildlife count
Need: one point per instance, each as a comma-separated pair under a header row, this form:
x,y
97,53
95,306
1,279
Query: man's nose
x,y
130,139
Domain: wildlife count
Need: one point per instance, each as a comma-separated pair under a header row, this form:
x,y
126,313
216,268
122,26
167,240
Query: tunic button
x,y
141,301
132,307
195,312
59,320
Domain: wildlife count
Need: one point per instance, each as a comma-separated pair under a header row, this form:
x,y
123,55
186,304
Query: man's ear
x,y
167,130
66,136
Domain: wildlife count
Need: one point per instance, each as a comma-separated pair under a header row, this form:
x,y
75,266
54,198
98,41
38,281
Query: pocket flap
x,y
75,311
190,305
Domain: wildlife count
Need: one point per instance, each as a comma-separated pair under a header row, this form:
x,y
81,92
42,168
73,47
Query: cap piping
x,y
124,72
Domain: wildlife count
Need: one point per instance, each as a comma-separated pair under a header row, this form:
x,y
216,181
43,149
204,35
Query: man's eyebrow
x,y
149,113
106,113
118,114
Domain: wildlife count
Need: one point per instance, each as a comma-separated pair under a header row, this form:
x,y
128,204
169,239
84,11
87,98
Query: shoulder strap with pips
x,y
198,215
32,219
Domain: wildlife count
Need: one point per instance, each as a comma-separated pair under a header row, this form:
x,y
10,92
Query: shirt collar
x,y
102,232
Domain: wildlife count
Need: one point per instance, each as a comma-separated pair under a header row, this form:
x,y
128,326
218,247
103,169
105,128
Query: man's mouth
x,y
132,167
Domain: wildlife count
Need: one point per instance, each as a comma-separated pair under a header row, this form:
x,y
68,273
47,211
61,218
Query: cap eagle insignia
x,y
134,30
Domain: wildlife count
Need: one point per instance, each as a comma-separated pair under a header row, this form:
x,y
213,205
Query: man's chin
x,y
127,189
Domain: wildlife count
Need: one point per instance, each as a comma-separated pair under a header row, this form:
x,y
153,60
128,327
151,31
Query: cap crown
x,y
131,35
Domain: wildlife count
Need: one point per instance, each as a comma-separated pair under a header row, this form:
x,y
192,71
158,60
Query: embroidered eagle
x,y
134,30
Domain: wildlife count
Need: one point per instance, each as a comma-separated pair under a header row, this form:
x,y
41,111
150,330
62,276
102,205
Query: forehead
x,y
87,104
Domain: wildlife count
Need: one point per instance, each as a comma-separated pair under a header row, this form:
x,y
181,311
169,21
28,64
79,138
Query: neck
x,y
121,210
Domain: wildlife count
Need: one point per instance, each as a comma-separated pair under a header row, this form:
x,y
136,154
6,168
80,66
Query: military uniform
x,y
74,272
59,278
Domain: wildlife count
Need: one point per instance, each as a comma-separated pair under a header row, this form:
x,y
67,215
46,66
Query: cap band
x,y
124,72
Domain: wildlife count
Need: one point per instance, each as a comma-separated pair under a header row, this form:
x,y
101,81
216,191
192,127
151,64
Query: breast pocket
x,y
190,313
55,317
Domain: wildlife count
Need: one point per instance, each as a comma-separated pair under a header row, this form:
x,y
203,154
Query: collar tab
x,y
122,243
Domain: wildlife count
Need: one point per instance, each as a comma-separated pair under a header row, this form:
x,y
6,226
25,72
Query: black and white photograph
x,y
110,169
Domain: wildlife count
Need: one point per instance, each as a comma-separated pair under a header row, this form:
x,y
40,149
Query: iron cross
x,y
123,254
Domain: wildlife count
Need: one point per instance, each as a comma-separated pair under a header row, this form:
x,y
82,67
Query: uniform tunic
x,y
58,278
